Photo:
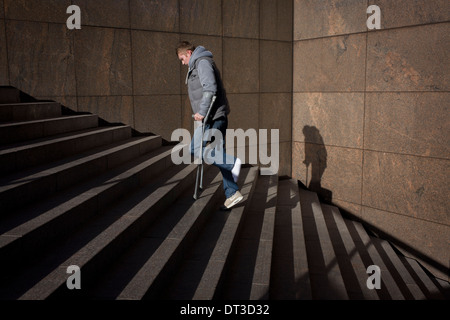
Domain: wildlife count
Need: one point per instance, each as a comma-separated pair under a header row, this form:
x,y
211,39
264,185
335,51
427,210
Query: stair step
x,y
24,188
29,111
326,278
290,278
94,247
29,130
151,262
366,245
36,152
249,276
353,270
25,234
428,287
201,273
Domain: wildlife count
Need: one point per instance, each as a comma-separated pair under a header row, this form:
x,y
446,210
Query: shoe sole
x,y
235,202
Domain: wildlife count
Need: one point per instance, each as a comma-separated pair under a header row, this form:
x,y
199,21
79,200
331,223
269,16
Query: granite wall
x,y
362,114
371,126
122,64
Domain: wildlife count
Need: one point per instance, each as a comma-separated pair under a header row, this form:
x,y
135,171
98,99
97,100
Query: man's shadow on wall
x,y
316,163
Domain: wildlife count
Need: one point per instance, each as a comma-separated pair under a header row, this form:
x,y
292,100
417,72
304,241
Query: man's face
x,y
185,57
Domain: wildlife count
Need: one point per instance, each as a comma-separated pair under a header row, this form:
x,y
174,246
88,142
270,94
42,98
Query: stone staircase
x,y
77,191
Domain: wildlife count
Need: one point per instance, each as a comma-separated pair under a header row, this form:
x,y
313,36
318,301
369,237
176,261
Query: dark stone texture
x,y
337,118
44,10
276,20
314,19
201,17
156,69
241,65
103,61
403,13
241,18
155,15
41,60
408,123
106,13
330,64
410,59
413,186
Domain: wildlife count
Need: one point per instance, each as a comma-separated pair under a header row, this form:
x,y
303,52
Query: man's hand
x,y
198,117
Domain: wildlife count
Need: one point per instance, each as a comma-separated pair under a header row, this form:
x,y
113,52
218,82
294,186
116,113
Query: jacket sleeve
x,y
209,84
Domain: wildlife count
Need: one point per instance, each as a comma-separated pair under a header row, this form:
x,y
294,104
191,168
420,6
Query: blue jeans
x,y
216,156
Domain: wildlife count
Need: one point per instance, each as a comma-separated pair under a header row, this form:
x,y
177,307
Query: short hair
x,y
184,46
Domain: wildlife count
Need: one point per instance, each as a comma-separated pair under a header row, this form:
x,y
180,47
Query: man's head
x,y
184,52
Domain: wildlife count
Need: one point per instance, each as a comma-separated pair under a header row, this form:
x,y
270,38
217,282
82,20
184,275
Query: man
x,y
204,81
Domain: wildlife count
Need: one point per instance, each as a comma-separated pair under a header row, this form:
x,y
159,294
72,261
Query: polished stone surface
x,y
241,18
332,172
314,19
45,11
408,123
412,186
155,67
114,109
106,13
330,64
275,66
337,116
41,58
276,19
241,65
409,59
103,61
275,113
155,15
201,17
158,114
411,12
4,76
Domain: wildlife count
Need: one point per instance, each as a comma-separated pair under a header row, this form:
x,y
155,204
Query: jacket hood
x,y
199,52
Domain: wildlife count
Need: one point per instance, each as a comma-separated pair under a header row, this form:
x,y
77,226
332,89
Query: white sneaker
x,y
236,169
233,200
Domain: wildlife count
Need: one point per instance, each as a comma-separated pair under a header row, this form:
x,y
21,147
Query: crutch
x,y
200,166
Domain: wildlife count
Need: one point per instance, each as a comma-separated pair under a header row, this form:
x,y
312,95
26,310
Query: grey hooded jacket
x,y
203,80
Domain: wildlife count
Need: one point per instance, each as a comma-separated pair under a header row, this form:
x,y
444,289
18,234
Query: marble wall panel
x,y
413,186
409,59
314,19
155,15
332,172
241,65
4,73
41,59
201,17
244,111
41,10
427,238
276,20
275,113
276,66
411,12
156,69
105,13
241,18
329,118
330,64
103,61
158,114
411,123
113,109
